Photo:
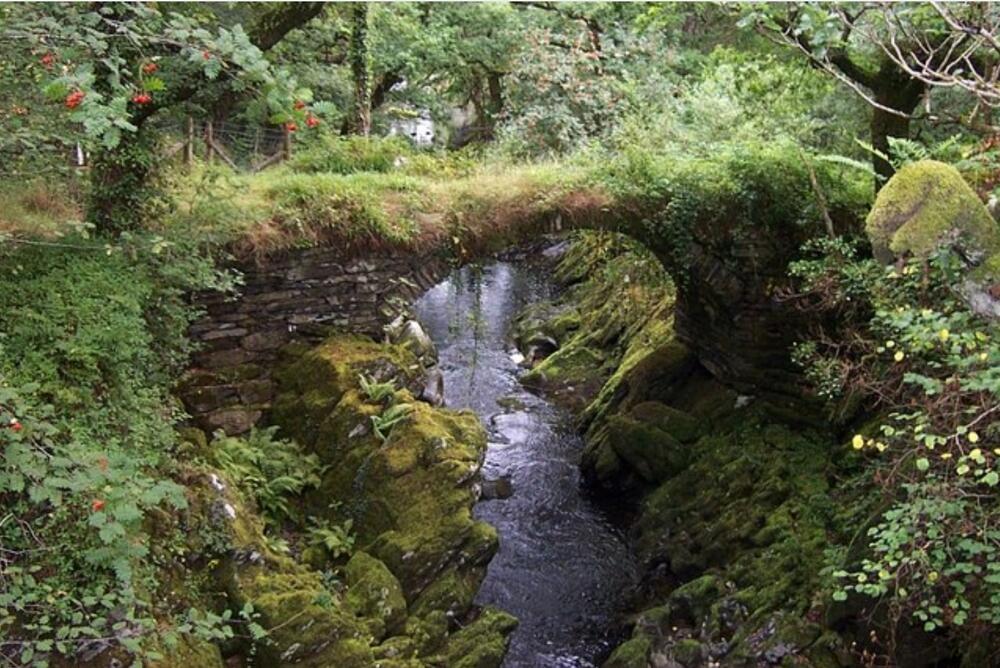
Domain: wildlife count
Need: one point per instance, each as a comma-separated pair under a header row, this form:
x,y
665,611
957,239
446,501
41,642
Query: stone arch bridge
x,y
728,310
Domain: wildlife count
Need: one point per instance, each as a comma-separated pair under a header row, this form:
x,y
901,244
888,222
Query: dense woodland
x,y
777,326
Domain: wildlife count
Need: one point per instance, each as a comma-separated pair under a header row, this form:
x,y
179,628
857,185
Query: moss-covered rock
x,y
633,653
483,643
189,652
649,451
925,204
372,591
409,495
568,366
307,625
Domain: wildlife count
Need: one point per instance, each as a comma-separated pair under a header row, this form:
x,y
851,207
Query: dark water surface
x,y
563,567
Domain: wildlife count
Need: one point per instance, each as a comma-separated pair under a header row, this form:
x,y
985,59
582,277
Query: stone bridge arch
x,y
728,311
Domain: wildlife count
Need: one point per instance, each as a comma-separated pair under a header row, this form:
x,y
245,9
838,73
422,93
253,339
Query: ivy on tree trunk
x,y
361,70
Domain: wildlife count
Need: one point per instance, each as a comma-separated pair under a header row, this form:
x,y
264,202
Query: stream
x,y
563,566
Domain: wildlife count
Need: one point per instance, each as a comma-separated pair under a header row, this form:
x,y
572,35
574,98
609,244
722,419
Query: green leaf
x,y
923,464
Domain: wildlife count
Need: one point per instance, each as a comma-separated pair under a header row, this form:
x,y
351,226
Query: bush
x,y
347,155
92,337
905,337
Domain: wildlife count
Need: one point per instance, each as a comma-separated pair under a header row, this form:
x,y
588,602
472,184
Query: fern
x,y
335,539
390,417
375,391
269,470
848,162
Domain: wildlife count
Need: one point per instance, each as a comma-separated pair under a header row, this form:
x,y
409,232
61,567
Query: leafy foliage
x,y
92,336
335,540
268,469
914,345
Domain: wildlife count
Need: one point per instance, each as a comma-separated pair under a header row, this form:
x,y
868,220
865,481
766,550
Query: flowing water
x,y
563,566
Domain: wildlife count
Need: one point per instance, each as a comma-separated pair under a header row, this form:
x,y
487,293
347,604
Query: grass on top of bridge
x,y
396,198
400,208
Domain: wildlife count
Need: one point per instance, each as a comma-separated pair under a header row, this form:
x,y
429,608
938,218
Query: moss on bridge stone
x,y
925,205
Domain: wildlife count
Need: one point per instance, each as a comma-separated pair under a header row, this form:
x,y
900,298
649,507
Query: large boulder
x,y
925,205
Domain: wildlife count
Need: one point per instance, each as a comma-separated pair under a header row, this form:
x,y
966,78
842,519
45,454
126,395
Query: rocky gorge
x,y
732,496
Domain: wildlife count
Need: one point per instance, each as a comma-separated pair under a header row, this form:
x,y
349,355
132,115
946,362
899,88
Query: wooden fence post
x,y
189,142
209,142
286,142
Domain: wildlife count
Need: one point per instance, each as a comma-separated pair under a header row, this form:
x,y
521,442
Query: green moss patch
x,y
925,204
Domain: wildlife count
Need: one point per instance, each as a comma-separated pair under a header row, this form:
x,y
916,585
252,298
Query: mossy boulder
x,y
632,653
308,625
649,451
924,205
189,652
571,365
374,592
483,643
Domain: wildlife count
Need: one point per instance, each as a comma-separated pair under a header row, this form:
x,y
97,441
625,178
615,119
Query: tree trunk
x,y
121,188
361,71
494,103
904,95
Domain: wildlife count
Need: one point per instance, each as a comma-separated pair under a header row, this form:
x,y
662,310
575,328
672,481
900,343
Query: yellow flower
x,y
898,356
996,451
881,446
973,437
932,576
944,334
858,441
890,344
945,455
983,356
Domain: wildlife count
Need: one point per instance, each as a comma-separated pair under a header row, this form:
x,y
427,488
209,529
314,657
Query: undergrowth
x,y
92,337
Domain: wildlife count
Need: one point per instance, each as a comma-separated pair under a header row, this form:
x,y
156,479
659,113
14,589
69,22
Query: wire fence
x,y
245,147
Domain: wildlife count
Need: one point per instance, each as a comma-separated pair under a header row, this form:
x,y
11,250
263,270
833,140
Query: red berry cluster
x,y
299,104
97,505
74,99
47,60
142,98
149,68
312,121
291,127
15,425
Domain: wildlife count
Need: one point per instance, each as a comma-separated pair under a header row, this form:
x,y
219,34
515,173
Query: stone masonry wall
x,y
299,295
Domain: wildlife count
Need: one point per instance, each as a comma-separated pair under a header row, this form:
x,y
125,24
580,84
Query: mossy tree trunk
x,y
894,90
121,184
361,70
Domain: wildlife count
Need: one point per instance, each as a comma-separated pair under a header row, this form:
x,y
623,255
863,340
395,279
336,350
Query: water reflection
x,y
563,565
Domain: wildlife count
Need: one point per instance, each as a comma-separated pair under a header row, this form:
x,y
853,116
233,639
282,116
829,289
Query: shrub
x,y
904,336
347,155
92,336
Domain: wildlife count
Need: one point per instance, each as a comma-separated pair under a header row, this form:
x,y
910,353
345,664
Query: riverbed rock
x,y
501,488
410,334
374,592
409,497
433,392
